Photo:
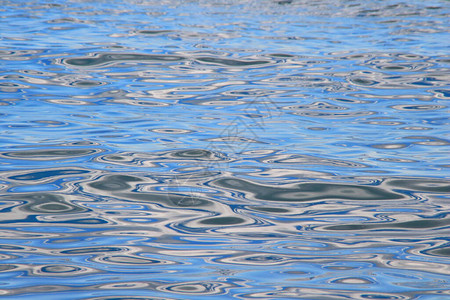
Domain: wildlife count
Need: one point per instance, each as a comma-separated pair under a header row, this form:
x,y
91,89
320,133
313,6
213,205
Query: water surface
x,y
224,149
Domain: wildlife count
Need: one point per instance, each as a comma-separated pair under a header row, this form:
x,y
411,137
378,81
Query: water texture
x,y
223,149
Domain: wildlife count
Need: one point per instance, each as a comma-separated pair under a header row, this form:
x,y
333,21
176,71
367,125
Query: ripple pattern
x,y
275,149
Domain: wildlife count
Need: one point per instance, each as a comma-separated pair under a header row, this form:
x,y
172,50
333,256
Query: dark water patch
x,y
50,123
441,93
92,250
11,87
196,288
339,266
283,55
169,199
428,140
49,154
171,130
423,107
301,80
317,128
79,221
61,270
86,83
80,143
306,191
50,173
316,105
257,259
271,209
155,159
153,32
410,225
441,251
435,185
7,268
232,62
219,221
353,101
294,159
128,159
401,67
108,59
11,247
114,182
191,154
44,203
68,20
377,80
204,156
132,260
262,101
19,54
363,81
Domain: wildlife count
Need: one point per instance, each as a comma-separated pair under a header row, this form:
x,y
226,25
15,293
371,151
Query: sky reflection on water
x,y
226,149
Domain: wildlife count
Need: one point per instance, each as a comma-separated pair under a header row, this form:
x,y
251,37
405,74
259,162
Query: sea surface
x,y
290,149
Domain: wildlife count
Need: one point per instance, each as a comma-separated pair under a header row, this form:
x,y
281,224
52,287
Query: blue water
x,y
223,149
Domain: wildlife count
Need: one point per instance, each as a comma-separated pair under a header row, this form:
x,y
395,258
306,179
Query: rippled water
x,y
285,149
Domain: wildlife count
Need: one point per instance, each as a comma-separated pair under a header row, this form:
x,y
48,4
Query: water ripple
x,y
233,149
106,59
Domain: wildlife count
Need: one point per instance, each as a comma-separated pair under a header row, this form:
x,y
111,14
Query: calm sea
x,y
290,149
